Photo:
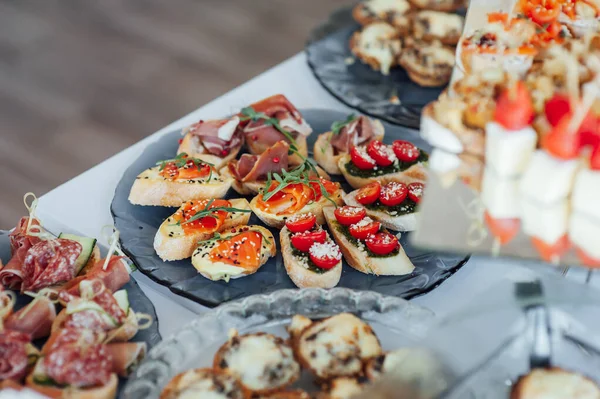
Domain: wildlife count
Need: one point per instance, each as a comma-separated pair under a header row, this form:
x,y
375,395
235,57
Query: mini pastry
x,y
428,64
394,12
435,25
377,45
205,382
554,383
439,5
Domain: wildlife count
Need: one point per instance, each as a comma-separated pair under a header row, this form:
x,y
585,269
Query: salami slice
x,y
78,366
35,319
114,277
72,336
49,263
13,355
19,238
11,275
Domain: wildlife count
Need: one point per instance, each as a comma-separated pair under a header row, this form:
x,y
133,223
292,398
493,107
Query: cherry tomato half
x,y
361,159
406,151
503,229
595,159
415,191
369,193
545,12
393,194
556,108
303,241
381,153
364,228
300,223
382,243
347,215
514,108
560,142
325,255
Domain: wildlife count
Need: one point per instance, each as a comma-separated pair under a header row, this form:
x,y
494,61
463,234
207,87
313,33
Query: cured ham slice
x,y
11,275
34,319
126,356
14,362
257,167
49,263
219,137
357,132
19,237
114,277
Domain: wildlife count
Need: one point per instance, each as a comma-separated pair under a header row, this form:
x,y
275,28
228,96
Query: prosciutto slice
x,y
49,263
126,356
219,136
357,132
13,355
257,167
114,277
260,136
34,319
11,275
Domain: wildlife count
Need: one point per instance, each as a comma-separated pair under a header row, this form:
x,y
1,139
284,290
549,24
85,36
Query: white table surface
x,y
83,203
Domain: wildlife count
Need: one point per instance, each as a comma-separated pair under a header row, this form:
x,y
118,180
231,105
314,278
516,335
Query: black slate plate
x,y
356,84
138,226
138,300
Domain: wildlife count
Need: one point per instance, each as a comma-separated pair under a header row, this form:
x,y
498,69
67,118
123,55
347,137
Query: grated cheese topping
x,y
362,151
301,216
350,210
363,222
392,189
327,249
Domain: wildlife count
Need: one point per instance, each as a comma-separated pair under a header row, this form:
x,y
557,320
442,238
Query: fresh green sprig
x,y
336,128
250,114
219,237
182,159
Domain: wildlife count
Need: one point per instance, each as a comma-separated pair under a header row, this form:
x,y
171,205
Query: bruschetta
x,y
439,5
272,370
278,202
401,162
175,181
205,382
355,130
178,236
311,258
394,204
213,141
435,25
554,383
273,119
394,12
377,45
428,64
365,245
234,253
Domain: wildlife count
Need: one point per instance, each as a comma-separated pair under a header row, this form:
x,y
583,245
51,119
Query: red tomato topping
x,y
586,259
242,250
415,191
364,228
300,223
498,17
393,194
303,241
550,252
406,151
325,255
589,131
503,229
595,159
361,159
556,108
369,193
381,153
330,187
544,12
347,215
382,243
560,142
190,170
514,108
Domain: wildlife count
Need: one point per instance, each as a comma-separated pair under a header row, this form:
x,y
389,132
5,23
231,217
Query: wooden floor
x,y
81,80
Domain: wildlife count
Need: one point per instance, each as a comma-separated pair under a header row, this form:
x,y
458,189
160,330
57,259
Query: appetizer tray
x,y
393,98
137,299
396,323
138,226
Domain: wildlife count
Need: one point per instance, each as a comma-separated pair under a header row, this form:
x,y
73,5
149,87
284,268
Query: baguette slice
x,y
150,188
190,144
298,270
223,270
108,391
172,243
278,221
415,173
407,222
359,259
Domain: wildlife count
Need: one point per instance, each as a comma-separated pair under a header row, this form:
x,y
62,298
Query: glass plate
x,y
396,322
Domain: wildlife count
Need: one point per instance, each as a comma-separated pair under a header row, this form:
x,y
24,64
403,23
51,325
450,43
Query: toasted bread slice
x,y
415,173
205,382
273,370
150,188
108,391
299,269
173,243
327,157
358,256
405,222
190,144
554,383
227,270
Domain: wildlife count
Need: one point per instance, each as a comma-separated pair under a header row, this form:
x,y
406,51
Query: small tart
x,y
394,12
204,382
435,25
439,5
377,45
428,65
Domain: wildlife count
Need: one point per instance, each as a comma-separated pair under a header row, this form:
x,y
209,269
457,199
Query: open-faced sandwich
x,y
178,236
311,258
394,204
401,162
394,12
355,130
175,181
213,141
554,383
439,5
365,245
429,64
435,25
205,383
273,119
234,253
377,45
580,17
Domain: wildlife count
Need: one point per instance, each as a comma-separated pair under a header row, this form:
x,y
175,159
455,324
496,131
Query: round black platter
x,y
356,84
138,300
138,225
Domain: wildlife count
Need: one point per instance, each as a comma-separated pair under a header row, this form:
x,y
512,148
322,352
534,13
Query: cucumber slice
x,y
75,307
87,245
123,300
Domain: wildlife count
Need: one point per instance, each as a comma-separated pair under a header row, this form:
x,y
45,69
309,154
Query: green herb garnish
x,y
336,128
218,237
250,114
